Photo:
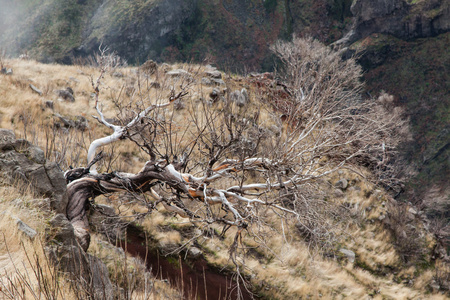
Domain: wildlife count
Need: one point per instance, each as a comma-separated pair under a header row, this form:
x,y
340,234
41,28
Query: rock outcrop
x,y
24,163
135,33
404,19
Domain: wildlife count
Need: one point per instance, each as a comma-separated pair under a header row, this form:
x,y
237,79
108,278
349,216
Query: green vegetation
x,y
270,5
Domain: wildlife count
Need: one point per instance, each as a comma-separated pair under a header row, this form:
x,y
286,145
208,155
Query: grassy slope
x,y
292,269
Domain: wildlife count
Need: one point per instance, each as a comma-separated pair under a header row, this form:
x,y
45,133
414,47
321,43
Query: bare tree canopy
x,y
220,163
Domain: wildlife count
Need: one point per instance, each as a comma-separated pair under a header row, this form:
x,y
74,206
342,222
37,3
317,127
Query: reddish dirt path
x,y
197,279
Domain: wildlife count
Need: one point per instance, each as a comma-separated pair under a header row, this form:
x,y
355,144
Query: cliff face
x,y
136,31
404,19
230,33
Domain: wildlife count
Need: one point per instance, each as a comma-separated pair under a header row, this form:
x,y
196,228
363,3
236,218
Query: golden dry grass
x,y
285,267
22,258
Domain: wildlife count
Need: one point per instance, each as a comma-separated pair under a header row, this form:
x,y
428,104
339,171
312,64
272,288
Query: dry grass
x,y
280,266
25,271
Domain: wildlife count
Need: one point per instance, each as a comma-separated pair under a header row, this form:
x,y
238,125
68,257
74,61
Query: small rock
x,y
165,67
217,81
66,95
30,232
435,286
245,94
195,252
215,93
6,71
206,81
179,105
35,89
349,253
338,193
49,104
214,74
179,73
342,184
155,85
412,211
238,98
149,67
117,74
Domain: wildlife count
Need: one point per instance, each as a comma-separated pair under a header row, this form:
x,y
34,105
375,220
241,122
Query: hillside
x,y
372,246
402,48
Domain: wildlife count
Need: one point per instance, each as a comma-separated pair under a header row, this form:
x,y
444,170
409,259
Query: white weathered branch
x,y
119,131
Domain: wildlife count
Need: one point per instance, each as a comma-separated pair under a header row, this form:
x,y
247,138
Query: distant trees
x,y
238,167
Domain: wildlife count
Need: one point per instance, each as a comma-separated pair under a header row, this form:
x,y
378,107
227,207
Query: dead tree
x,y
230,166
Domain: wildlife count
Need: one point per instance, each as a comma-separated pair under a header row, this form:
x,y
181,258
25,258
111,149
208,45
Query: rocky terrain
x,y
402,46
381,248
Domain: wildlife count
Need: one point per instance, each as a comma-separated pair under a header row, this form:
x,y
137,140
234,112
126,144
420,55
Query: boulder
x,y
84,270
101,284
21,161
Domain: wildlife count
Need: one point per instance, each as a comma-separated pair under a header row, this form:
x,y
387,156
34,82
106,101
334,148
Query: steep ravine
x,y
195,276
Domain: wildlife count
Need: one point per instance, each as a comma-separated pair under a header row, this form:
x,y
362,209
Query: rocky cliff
x,y
404,19
137,31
